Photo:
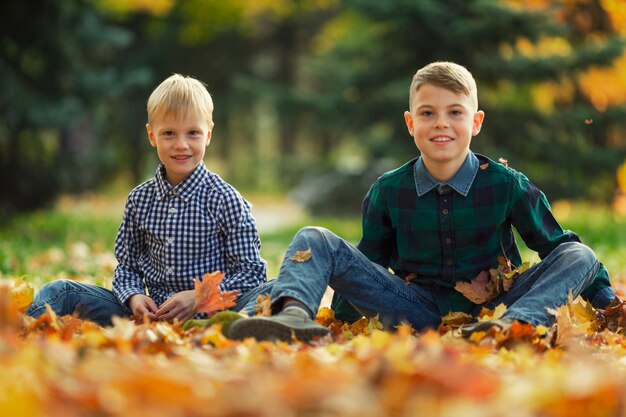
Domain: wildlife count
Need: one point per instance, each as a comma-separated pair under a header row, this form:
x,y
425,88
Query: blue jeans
x,y
97,304
372,289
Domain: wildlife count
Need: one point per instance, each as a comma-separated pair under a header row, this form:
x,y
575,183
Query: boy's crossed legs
x,y
369,287
100,305
372,289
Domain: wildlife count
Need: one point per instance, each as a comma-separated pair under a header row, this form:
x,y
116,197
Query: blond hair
x,y
178,95
448,75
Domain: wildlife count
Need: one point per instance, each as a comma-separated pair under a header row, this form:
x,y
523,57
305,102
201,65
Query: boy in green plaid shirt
x,y
432,227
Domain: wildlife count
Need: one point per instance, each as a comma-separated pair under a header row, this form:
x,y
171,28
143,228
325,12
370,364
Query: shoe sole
x,y
270,330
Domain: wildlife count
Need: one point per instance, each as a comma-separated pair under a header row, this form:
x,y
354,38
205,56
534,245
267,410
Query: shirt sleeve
x,y
129,247
532,217
378,234
245,268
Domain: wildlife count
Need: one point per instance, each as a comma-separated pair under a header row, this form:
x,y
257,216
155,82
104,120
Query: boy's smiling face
x,y
442,124
180,143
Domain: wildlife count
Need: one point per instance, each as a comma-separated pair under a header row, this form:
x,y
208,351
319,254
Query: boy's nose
x,y
180,143
441,122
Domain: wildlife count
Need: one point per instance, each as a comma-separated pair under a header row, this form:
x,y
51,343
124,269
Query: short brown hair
x,y
448,75
178,95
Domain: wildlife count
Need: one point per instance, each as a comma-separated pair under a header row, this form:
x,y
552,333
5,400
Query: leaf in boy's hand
x,y
478,290
302,255
209,298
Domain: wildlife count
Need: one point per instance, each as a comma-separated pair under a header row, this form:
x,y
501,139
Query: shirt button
x,y
448,240
450,262
444,211
170,240
170,270
172,210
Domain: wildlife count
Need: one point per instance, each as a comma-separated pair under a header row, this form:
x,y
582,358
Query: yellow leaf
x,y
457,318
499,311
541,330
583,310
301,255
263,305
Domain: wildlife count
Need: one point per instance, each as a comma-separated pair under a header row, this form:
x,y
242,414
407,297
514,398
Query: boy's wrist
x,y
604,297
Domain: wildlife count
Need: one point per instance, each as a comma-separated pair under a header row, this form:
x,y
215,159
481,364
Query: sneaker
x,y
288,325
484,326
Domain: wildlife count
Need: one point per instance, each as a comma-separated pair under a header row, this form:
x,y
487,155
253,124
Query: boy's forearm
x,y
126,284
245,276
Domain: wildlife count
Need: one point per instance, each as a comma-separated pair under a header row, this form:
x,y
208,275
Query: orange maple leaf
x,y
209,298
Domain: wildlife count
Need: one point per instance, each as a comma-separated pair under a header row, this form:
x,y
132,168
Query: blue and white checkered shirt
x,y
171,235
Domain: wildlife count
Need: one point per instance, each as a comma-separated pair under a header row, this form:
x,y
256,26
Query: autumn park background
x,y
309,96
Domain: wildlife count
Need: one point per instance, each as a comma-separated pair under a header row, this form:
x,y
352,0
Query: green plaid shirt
x,y
449,232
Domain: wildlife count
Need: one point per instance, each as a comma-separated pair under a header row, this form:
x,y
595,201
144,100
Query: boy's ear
x,y
479,116
151,136
208,138
409,122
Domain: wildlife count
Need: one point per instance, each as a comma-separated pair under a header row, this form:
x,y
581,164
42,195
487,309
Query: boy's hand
x,y
141,305
613,317
181,306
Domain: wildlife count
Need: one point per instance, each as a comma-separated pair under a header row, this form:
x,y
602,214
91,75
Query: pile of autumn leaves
x,y
62,366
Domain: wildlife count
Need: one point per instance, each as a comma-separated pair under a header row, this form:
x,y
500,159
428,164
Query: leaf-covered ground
x,y
61,366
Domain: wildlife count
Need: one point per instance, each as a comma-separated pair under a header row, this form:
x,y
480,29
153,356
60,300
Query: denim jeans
x,y
373,289
98,304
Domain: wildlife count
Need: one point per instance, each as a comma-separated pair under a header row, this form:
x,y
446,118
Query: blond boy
x,y
177,226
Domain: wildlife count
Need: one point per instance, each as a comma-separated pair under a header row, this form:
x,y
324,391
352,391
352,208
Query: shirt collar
x,y
461,182
185,188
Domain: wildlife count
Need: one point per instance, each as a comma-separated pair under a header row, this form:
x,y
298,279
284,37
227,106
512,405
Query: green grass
x,y
274,244
49,244
46,244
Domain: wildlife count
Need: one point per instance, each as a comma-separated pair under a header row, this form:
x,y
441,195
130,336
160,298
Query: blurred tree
x,y
56,72
528,64
303,84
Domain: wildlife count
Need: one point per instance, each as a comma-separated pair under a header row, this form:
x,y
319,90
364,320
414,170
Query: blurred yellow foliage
x,y
20,293
155,7
605,87
621,177
616,9
546,46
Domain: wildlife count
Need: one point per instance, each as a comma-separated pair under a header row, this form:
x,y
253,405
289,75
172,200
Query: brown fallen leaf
x,y
456,319
489,284
301,255
209,298
478,290
325,316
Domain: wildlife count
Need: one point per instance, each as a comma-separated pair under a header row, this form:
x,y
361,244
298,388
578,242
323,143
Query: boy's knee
x,y
577,252
52,288
49,292
313,232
